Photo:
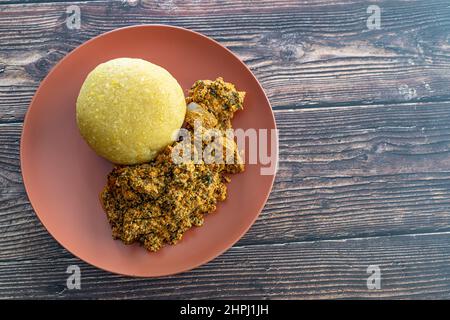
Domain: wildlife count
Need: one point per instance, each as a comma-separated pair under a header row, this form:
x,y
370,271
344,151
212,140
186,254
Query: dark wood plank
x,y
344,173
412,266
306,54
10,176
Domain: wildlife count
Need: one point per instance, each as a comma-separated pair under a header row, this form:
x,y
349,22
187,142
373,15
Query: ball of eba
x,y
129,109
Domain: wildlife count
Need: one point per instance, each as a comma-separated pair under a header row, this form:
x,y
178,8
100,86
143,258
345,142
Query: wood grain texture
x,y
411,267
343,173
305,54
364,175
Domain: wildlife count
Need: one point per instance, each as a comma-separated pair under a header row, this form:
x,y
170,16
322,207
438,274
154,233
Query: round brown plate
x,y
63,176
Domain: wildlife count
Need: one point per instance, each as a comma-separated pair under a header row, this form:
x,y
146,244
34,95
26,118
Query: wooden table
x,y
364,172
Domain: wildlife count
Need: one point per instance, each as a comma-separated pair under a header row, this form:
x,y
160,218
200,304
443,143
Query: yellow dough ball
x,y
129,109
